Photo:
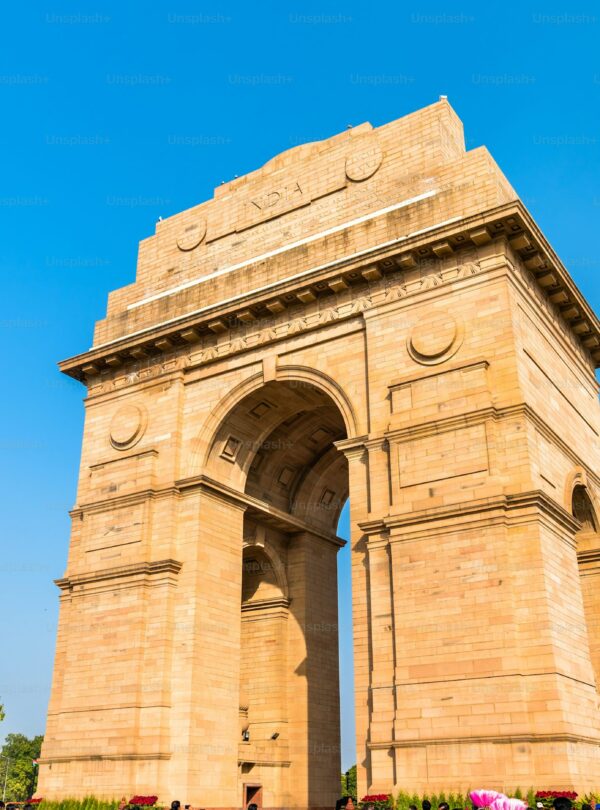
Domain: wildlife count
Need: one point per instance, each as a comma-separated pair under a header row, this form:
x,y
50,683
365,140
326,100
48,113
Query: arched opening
x,y
263,710
277,449
584,512
588,556
277,445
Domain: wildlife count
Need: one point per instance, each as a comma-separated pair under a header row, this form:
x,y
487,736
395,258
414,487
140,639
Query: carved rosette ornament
x,y
364,160
191,236
128,425
435,338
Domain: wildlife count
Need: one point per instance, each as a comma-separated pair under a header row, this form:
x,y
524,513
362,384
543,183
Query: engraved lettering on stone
x,y
363,163
272,198
191,236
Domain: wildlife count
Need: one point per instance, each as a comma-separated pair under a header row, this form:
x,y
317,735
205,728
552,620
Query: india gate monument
x,y
373,317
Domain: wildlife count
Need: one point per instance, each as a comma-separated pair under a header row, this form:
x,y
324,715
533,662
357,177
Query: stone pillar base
x,y
560,762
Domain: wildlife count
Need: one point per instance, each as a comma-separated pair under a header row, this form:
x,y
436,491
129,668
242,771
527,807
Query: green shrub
x,y
88,803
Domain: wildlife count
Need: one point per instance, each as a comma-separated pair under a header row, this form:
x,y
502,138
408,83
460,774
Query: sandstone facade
x,y
374,315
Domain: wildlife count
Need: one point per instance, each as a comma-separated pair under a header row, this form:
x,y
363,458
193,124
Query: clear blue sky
x,y
116,113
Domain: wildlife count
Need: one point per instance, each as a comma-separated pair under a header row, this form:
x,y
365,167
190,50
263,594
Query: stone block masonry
x,y
374,316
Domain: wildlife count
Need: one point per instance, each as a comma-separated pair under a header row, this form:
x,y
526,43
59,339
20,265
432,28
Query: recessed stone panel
x,y
231,448
261,409
443,455
111,537
122,476
257,463
441,392
327,497
286,476
321,435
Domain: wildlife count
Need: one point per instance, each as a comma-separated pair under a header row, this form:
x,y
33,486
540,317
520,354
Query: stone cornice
x,y
264,763
353,447
589,556
134,757
130,499
138,454
495,739
278,603
124,571
479,508
399,259
288,523
434,427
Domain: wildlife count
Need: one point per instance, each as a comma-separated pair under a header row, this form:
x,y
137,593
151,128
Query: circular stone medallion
x,y
364,162
127,426
191,236
434,339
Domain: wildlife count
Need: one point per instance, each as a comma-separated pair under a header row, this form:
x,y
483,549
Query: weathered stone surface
x,y
374,315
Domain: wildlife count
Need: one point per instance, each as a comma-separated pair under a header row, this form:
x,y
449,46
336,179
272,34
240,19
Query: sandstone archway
x,y
277,445
375,314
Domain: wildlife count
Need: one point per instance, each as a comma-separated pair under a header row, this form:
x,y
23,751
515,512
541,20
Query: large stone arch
x,y
289,425
199,451
335,389
275,448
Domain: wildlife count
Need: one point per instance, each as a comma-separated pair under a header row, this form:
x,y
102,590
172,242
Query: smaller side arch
x,y
264,549
578,477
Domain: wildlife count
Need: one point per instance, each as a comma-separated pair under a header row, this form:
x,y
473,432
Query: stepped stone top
x,y
393,196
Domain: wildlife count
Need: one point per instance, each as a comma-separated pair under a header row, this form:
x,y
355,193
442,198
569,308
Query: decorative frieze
x,y
384,291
